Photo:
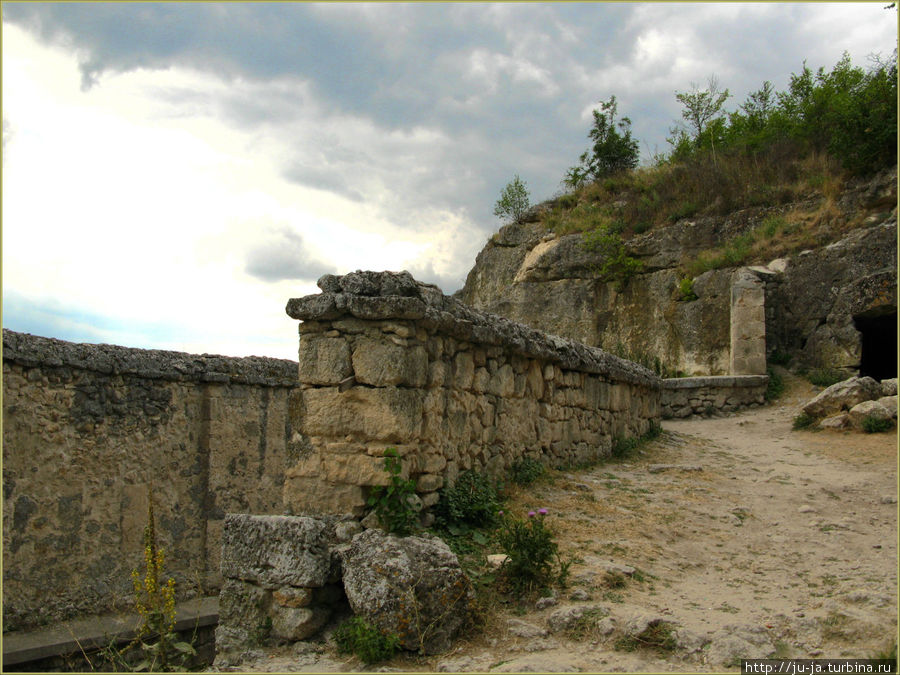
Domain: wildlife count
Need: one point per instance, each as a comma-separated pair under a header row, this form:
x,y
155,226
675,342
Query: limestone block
x,y
288,596
620,397
481,380
861,411
355,470
276,551
384,414
836,422
534,380
463,370
323,360
889,387
843,396
889,402
313,495
382,363
433,463
428,482
437,374
502,383
297,623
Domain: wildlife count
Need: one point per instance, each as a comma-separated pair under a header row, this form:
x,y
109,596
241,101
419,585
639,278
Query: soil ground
x,y
752,540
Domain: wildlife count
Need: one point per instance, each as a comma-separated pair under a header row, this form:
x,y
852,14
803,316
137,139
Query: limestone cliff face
x,y
814,298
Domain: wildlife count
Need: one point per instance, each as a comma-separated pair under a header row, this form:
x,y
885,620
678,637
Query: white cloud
x,y
121,203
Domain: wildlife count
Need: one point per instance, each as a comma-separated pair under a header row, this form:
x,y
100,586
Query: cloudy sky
x,y
173,173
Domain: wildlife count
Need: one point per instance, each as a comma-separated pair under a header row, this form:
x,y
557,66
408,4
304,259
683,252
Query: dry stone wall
x,y
386,361
687,396
88,429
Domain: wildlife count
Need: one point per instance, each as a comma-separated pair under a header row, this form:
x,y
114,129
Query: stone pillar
x,y
748,324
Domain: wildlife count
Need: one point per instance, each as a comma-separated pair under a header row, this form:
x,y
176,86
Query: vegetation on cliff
x,y
795,146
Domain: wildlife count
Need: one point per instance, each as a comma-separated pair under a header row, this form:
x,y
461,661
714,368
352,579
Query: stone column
x,y
748,324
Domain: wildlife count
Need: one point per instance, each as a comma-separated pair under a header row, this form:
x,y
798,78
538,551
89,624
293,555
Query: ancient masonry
x,y
385,361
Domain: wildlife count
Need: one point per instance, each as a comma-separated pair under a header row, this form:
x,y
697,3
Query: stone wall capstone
x,y
387,361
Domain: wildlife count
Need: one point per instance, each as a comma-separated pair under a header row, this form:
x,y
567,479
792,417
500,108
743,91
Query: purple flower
x,y
543,512
531,514
499,513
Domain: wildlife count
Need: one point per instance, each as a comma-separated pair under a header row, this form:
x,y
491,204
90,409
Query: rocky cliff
x,y
825,291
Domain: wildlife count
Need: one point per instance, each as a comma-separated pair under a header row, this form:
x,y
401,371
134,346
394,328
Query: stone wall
x,y
88,429
386,361
687,396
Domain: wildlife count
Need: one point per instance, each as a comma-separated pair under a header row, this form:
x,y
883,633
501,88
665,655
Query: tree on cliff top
x,y
614,150
513,201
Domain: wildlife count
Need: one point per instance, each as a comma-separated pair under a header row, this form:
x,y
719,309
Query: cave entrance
x,y
878,336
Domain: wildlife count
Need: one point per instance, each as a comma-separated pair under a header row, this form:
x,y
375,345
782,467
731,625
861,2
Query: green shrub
x,y
825,377
607,243
779,358
875,425
533,560
472,500
513,201
775,385
356,636
686,289
393,503
526,470
803,421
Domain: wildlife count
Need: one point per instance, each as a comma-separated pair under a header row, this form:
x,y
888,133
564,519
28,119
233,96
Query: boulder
x,y
835,422
410,586
843,396
889,387
861,411
889,402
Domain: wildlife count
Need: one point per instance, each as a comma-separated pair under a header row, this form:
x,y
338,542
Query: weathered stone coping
x,y
377,296
97,632
32,351
730,381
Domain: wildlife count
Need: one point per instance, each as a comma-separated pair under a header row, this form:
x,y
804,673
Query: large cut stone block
x,y
324,360
382,363
306,494
385,414
274,551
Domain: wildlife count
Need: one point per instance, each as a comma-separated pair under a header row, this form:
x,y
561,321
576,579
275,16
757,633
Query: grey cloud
x,y
506,83
284,257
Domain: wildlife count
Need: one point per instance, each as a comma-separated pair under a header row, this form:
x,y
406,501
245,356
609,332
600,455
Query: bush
x,y
775,385
393,503
513,202
614,150
525,471
686,289
875,425
472,500
614,261
825,377
533,560
356,636
803,421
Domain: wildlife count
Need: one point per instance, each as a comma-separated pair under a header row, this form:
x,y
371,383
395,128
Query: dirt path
x,y
746,539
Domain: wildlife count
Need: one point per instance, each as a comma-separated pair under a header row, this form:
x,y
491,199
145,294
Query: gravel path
x,y
736,536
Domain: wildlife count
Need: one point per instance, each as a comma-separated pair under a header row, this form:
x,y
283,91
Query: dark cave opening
x,y
879,344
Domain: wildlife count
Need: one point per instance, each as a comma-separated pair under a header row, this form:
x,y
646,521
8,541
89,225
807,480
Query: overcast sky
x,y
174,173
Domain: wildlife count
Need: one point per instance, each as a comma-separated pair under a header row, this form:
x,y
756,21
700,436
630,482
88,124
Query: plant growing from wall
x,y
614,261
686,290
394,503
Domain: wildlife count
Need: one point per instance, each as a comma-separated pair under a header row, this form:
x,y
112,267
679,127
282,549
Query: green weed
x,y
356,636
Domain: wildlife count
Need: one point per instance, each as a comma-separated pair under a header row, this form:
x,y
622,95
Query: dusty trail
x,y
782,544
